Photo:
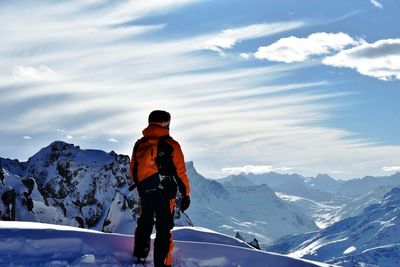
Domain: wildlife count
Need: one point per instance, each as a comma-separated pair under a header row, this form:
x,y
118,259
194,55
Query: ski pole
x,y
132,187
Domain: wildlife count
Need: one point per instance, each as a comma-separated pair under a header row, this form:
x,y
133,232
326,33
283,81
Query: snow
x,y
86,188
371,238
15,225
27,243
253,211
350,250
324,214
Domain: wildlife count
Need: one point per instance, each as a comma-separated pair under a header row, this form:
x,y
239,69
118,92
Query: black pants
x,y
159,206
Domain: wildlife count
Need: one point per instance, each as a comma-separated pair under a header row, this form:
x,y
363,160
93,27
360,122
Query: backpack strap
x,y
164,161
135,169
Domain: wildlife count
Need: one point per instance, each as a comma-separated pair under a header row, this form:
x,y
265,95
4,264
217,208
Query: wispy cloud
x,y
26,137
391,168
295,49
35,74
228,38
376,4
112,140
134,9
226,112
245,56
380,59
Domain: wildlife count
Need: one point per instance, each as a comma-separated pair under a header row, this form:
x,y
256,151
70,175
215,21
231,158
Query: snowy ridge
x,y
63,184
89,189
323,214
371,238
253,211
23,243
320,188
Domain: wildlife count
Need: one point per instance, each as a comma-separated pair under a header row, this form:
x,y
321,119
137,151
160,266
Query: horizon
x,y
214,178
274,86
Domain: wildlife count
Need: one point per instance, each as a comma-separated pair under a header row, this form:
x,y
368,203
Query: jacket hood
x,y
154,130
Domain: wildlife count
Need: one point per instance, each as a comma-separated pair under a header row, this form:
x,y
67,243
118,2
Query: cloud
x,y
134,9
228,38
245,56
35,74
69,137
224,112
379,60
112,140
376,4
295,49
26,137
391,168
254,169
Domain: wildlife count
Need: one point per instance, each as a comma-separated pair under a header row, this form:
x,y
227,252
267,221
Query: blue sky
x,y
288,86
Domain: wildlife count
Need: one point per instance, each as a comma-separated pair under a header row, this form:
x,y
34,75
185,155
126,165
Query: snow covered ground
x,y
37,244
324,214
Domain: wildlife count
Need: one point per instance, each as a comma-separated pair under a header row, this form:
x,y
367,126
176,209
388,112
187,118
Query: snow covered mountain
x,y
368,183
369,239
292,184
63,184
253,211
328,213
321,188
37,244
239,180
357,205
324,214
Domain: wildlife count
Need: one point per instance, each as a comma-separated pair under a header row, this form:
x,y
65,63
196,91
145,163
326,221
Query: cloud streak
x,y
376,4
228,38
294,49
391,168
115,70
35,74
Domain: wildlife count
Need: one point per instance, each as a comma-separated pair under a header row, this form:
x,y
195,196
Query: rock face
x,y
66,185
371,238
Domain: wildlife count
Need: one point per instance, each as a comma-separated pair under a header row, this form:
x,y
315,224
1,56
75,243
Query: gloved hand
x,y
185,203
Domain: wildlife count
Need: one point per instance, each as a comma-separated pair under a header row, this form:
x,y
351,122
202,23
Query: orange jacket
x,y
146,153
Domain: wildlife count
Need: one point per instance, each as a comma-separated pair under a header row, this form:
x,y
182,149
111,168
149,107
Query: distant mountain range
x,y
64,184
369,239
253,211
359,218
322,188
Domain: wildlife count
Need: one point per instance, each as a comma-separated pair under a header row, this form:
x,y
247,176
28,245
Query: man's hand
x,y
185,203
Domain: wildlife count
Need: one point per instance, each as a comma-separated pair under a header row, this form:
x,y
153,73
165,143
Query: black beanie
x,y
159,116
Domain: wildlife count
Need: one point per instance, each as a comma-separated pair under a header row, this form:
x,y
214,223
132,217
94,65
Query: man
x,y
157,167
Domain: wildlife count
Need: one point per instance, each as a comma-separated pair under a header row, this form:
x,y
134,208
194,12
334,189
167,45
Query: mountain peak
x,y
190,164
393,195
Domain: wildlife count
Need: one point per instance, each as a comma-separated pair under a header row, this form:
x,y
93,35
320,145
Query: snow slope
x,y
253,211
369,239
36,244
324,214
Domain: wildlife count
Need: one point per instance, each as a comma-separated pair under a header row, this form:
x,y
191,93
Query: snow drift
x,y
37,244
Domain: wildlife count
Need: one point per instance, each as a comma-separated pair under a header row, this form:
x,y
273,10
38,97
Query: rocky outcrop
x,y
63,183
